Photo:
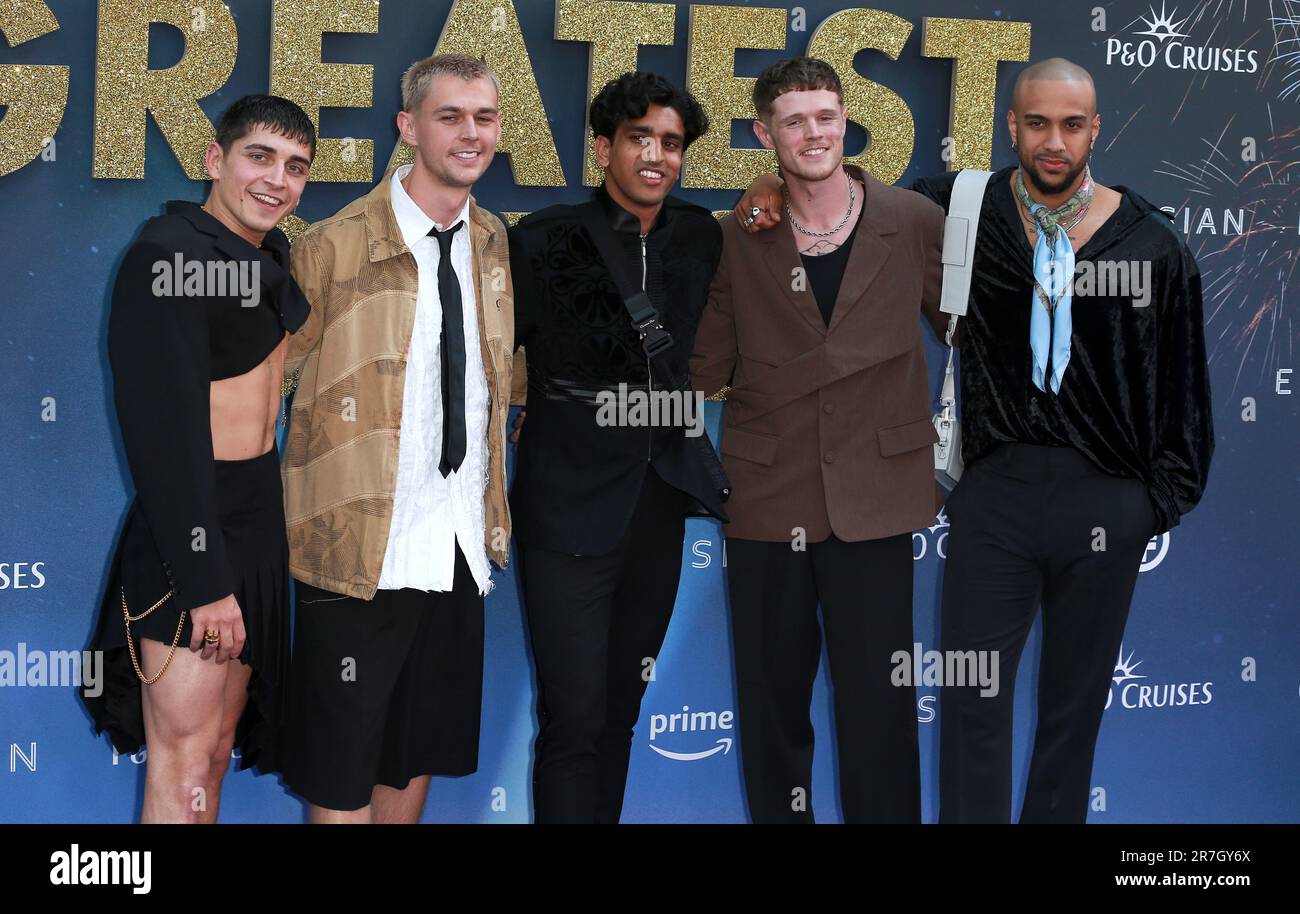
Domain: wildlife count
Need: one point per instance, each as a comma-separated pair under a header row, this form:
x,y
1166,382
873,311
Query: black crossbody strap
x,y
655,340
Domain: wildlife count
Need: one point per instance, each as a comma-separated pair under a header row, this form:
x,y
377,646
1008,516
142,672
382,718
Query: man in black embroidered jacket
x,y
202,308
1086,430
600,497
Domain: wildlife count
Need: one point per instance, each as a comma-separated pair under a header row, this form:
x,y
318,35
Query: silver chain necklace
x,y
853,196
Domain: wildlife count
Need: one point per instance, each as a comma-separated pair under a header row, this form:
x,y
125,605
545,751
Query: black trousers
x,y
597,623
865,592
1035,525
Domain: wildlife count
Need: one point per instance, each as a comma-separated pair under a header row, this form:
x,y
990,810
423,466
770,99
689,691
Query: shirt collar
x,y
620,220
412,221
286,298
275,242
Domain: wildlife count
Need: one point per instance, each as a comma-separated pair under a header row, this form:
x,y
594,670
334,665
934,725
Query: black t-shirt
x,y
826,272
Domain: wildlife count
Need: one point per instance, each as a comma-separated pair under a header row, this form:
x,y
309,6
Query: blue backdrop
x,y
1214,619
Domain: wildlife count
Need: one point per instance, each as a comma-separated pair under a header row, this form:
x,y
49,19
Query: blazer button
x,y
830,457
828,408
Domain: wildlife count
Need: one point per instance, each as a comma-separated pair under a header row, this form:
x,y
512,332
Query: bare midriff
x,y
245,409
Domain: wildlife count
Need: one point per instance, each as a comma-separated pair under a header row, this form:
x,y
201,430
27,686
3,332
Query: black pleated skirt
x,y
252,522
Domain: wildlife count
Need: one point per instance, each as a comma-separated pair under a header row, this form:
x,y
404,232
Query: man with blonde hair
x,y
394,469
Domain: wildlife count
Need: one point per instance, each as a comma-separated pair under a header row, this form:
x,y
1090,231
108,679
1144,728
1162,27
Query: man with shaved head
x,y
1086,430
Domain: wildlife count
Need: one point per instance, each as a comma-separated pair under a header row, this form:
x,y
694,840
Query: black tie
x,y
452,350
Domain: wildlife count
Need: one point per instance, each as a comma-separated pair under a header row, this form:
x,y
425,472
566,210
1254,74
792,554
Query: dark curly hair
x,y
630,96
279,115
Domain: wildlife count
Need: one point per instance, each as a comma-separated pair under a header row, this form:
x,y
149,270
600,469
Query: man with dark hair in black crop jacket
x,y
195,623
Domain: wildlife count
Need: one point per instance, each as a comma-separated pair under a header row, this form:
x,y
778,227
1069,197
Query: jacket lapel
x,y
870,250
486,301
780,254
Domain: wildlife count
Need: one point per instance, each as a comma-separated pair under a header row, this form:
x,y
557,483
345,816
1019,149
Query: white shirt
x,y
431,514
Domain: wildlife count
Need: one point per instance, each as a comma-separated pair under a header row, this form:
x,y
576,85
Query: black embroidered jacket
x,y
576,481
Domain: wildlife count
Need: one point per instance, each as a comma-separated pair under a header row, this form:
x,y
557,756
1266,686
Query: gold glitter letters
x,y
715,33
125,87
490,29
883,113
976,46
35,96
615,31
298,74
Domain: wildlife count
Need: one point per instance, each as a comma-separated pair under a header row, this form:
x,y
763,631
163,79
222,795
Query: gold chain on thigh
x,y
130,646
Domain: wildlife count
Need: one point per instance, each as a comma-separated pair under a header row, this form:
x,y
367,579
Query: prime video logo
x,y
706,723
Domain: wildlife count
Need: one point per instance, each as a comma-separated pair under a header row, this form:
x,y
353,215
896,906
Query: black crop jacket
x,y
166,344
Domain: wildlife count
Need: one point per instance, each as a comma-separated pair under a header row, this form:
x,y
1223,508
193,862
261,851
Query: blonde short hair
x,y
422,73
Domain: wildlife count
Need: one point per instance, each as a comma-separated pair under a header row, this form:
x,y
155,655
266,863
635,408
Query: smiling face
x,y
806,128
643,161
454,129
1053,123
257,182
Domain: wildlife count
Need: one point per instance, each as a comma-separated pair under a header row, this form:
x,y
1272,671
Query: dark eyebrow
x,y
262,147
813,114
646,128
1043,117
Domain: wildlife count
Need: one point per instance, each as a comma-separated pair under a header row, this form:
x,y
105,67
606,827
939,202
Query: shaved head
x,y
1053,69
1053,123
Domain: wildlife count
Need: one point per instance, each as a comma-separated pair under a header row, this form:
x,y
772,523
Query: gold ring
x,y
212,636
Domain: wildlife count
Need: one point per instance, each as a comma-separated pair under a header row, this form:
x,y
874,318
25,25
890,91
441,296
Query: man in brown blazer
x,y
814,331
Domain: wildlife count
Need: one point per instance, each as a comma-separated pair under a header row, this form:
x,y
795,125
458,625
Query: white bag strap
x,y
958,259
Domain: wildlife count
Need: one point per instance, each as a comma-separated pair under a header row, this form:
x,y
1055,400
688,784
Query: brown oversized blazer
x,y
827,429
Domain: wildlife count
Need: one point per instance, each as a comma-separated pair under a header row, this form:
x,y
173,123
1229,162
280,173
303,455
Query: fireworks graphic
x,y
1246,277
1286,45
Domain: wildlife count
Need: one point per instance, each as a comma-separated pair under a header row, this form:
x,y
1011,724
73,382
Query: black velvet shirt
x,y
1135,396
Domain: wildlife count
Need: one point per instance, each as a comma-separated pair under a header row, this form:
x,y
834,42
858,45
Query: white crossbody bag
x,y
958,258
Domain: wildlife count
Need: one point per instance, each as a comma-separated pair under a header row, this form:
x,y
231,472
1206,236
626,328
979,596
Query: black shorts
x,y
251,505
383,690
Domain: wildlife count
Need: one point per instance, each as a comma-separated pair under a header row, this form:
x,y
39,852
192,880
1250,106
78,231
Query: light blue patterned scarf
x,y
1049,320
